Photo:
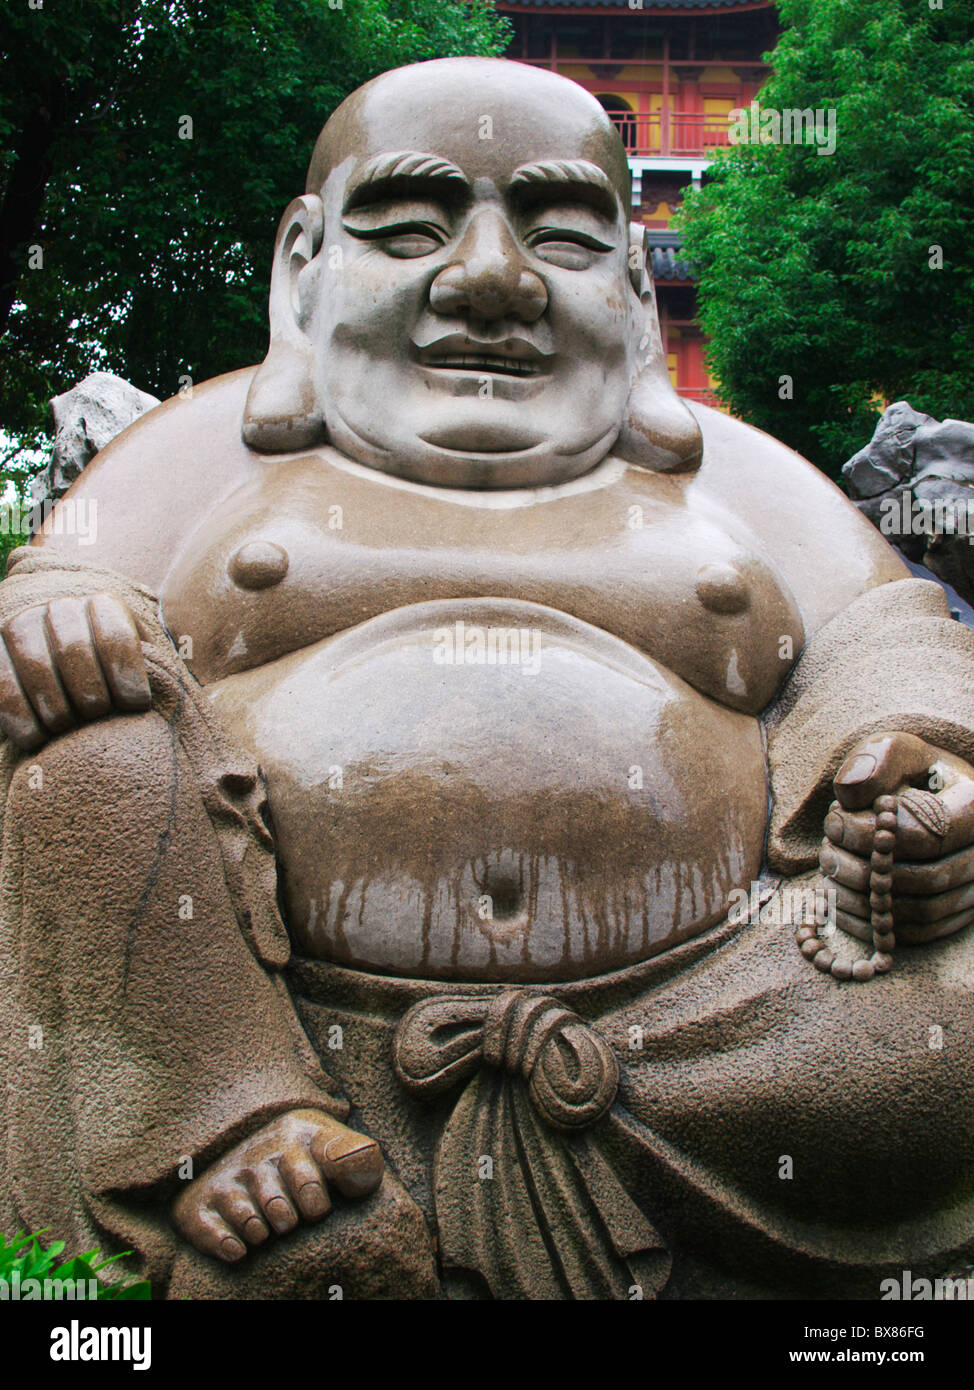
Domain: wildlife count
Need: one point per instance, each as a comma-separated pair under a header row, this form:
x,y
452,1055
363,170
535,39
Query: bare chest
x,y
310,550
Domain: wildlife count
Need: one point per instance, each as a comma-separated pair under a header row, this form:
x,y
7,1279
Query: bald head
x,y
470,113
455,300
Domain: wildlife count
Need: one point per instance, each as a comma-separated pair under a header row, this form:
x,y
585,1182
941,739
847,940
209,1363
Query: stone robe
x,y
751,1126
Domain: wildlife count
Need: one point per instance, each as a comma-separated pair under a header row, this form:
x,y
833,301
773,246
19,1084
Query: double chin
x,y
472,456
443,439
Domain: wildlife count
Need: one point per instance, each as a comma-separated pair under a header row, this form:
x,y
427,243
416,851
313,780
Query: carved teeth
x,y
463,362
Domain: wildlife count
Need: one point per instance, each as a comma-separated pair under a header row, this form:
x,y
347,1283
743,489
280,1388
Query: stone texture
x,y
476,912
914,462
86,418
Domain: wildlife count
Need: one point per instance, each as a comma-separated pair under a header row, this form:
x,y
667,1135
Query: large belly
x,y
488,790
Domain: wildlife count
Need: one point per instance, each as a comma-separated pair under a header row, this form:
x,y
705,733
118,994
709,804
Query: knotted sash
x,y
525,1197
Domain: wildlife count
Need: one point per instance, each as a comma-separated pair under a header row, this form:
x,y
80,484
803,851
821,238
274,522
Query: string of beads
x,y
880,909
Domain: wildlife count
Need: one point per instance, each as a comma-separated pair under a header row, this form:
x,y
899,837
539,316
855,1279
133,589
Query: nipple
x,y
722,589
258,565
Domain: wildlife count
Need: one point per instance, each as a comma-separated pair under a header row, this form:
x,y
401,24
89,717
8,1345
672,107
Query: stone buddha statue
x,y
380,781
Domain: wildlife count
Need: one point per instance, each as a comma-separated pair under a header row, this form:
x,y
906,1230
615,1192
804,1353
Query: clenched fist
x,y
932,882
68,661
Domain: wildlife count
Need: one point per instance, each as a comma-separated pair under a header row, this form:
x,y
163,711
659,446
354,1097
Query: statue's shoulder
x,y
827,552
157,480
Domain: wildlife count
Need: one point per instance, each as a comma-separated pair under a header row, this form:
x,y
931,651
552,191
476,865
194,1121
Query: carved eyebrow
x,y
388,174
577,176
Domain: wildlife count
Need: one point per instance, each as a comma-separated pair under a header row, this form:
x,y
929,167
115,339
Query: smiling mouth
x,y
477,362
510,355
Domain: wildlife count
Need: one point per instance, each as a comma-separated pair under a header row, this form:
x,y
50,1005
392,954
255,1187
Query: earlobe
x,y
282,411
659,431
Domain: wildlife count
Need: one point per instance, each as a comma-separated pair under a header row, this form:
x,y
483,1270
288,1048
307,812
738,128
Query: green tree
x,y
148,150
825,269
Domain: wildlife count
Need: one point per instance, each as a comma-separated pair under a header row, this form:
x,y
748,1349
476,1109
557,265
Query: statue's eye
x,y
572,250
410,244
404,240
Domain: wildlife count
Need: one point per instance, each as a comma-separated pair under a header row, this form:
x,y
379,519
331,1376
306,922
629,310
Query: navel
x,y
258,565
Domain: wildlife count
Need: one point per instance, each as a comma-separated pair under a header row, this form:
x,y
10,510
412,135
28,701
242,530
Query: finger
x,y
917,880
351,1161
857,904
267,1188
26,641
840,866
958,804
933,909
73,644
855,830
851,830
207,1231
17,718
855,925
120,652
304,1183
240,1210
880,765
919,935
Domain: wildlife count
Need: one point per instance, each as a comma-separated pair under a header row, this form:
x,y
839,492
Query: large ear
x,y
282,411
659,432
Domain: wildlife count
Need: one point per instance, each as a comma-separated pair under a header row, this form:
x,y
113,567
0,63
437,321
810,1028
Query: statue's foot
x,y
274,1179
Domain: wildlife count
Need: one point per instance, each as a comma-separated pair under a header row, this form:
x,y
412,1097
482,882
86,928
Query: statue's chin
x,y
469,458
537,466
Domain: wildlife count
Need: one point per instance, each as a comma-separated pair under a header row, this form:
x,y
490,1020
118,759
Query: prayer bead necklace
x,y
880,908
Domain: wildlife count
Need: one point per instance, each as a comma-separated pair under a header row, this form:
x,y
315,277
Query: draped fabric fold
x,y
144,1019
525,1198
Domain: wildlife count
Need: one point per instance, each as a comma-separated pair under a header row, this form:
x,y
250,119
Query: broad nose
x,y
489,279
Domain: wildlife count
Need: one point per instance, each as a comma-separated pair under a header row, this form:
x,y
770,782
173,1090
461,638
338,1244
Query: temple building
x,y
668,72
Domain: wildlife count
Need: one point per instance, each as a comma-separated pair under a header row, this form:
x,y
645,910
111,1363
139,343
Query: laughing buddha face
x,y
458,299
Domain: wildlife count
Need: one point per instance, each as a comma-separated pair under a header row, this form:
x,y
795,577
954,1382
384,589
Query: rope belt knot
x,y
571,1072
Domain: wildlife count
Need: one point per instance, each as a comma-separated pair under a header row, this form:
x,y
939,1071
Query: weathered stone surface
x,y
888,457
87,418
543,681
915,481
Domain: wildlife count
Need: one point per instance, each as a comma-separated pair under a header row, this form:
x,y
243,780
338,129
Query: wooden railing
x,y
704,394
671,133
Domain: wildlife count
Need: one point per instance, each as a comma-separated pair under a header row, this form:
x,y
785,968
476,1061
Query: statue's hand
x,y
272,1180
933,872
68,661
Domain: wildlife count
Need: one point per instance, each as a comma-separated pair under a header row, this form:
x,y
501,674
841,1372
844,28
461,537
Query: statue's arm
x,y
71,633
879,705
825,551
145,493
78,644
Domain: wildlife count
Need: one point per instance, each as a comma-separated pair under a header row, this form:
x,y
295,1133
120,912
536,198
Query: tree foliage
x,y
824,268
155,247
